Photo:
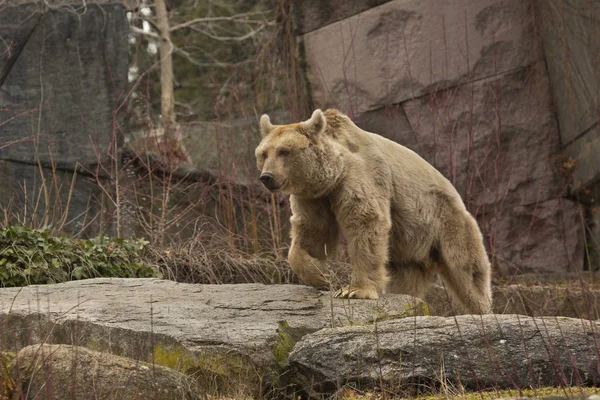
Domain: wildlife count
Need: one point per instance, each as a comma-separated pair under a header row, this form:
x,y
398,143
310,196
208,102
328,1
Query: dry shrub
x,y
217,262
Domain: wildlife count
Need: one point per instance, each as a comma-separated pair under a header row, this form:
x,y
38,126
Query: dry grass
x,y
217,262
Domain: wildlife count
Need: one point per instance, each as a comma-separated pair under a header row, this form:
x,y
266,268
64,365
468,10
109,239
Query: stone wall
x,y
466,85
571,41
63,72
571,37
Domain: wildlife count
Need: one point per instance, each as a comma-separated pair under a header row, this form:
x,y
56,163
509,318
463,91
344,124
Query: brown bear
x,y
403,221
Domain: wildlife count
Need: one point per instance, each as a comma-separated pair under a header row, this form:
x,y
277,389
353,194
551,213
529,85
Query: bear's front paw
x,y
351,292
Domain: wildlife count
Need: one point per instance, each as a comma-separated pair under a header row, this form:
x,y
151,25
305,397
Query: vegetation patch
x,y
284,343
7,384
176,358
34,256
538,393
180,359
418,309
548,392
217,374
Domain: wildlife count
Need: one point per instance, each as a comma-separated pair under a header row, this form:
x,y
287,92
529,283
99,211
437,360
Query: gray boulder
x,y
237,335
52,371
492,351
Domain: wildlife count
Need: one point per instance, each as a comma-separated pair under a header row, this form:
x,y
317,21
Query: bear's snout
x,y
267,179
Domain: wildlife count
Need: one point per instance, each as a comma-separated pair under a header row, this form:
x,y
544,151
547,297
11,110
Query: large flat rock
x,y
240,331
492,351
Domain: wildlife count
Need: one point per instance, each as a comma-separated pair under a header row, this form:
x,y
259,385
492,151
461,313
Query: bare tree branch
x,y
230,38
139,31
208,34
235,18
197,63
182,53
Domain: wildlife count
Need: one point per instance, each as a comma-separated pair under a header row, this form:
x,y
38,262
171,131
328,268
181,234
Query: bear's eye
x,y
264,155
283,152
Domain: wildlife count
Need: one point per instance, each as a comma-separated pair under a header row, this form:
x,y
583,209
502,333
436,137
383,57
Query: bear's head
x,y
297,158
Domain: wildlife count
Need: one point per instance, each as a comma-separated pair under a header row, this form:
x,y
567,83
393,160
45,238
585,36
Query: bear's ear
x,y
315,125
265,125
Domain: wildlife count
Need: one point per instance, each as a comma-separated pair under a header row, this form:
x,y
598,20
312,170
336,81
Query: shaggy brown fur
x,y
402,220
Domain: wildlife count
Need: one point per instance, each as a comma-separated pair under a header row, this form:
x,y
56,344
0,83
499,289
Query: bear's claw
x,y
344,293
349,292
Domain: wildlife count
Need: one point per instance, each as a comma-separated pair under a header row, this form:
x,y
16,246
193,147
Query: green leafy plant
x,y
34,256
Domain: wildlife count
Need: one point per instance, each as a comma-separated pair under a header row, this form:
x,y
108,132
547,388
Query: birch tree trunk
x,y
172,139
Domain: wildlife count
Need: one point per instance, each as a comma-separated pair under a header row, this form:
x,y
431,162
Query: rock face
x,y
238,334
68,77
493,351
63,72
571,45
570,39
313,14
62,371
465,85
404,49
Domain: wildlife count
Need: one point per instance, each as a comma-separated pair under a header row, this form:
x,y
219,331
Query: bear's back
x,y
411,174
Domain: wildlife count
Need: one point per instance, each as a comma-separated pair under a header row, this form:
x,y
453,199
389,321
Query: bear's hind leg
x,y
469,288
410,278
465,267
